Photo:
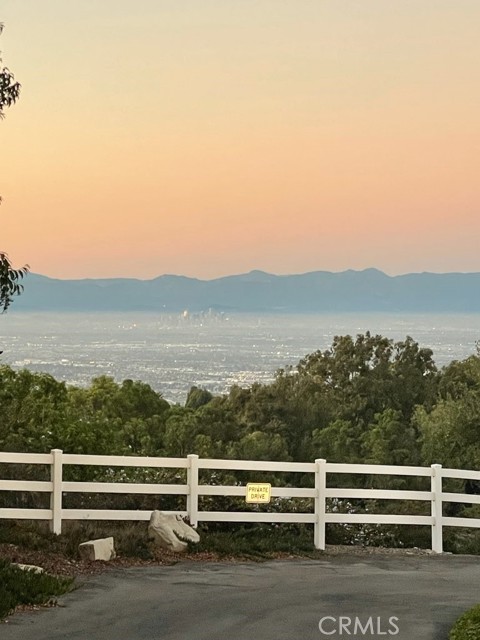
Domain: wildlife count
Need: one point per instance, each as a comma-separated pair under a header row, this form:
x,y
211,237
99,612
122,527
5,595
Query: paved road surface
x,y
282,600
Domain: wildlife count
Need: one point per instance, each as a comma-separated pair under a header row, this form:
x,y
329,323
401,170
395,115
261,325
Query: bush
x,y
130,537
29,534
255,541
467,627
27,587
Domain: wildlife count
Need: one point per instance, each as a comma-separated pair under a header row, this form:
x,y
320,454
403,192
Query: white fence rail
x,y
320,516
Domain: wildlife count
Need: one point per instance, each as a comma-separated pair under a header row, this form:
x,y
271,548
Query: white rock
x,y
185,531
28,567
101,549
166,529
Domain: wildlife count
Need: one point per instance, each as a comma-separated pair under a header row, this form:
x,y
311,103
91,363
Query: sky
x,y
213,137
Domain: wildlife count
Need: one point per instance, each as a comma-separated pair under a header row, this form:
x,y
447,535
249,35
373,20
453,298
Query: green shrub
x,y
27,587
29,534
130,537
467,627
255,541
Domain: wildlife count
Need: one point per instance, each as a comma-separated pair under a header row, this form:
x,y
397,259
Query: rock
x,y
169,531
28,567
101,549
185,531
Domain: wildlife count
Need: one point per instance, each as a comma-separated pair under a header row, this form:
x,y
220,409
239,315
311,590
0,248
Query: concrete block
x,y
101,549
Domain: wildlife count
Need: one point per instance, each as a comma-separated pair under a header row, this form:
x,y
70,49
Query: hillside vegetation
x,y
363,400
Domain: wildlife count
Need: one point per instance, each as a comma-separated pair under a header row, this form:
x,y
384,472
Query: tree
x,y
450,431
198,398
370,374
388,440
9,281
9,277
9,88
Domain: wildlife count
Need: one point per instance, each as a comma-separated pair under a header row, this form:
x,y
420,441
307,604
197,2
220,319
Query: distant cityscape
x,y
212,350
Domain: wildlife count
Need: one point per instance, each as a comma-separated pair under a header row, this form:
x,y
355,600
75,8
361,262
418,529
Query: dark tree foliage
x,y
10,285
9,88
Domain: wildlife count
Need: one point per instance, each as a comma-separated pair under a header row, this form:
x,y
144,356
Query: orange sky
x,y
208,137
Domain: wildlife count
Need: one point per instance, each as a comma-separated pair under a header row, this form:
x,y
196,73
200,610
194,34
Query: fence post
x,y
320,486
192,496
437,528
56,478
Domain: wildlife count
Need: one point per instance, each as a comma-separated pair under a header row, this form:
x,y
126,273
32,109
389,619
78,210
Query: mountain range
x,y
369,290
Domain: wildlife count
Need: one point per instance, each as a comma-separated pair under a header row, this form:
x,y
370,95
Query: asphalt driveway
x,y
409,598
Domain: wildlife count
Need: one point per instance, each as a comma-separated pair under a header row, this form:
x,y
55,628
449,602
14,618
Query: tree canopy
x,y
9,88
10,284
10,278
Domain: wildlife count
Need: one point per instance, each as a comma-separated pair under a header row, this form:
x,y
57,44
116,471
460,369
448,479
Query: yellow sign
x,y
258,492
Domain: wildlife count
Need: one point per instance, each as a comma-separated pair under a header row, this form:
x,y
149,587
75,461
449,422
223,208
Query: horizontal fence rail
x,y
57,487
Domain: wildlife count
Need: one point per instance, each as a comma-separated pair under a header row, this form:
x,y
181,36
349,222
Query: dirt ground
x,y
58,564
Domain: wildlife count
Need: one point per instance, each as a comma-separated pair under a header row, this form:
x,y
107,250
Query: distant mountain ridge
x,y
258,291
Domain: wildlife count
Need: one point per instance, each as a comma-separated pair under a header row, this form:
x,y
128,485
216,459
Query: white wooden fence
x,y
56,487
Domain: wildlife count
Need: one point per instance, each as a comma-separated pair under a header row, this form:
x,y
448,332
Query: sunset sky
x,y
211,137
